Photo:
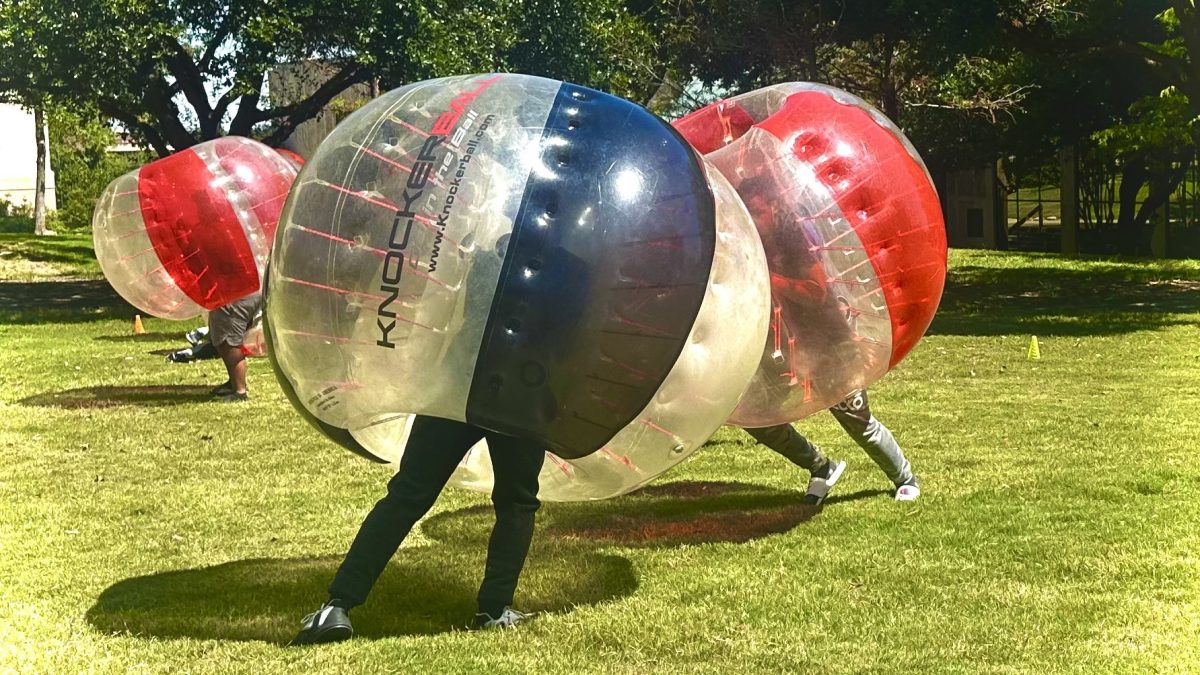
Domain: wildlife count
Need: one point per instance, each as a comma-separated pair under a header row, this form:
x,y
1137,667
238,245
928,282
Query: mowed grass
x,y
146,529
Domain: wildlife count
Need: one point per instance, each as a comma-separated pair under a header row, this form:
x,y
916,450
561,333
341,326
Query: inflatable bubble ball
x,y
191,232
526,255
853,233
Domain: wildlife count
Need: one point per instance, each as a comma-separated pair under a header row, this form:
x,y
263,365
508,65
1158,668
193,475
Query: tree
x,y
181,72
1115,81
83,166
39,189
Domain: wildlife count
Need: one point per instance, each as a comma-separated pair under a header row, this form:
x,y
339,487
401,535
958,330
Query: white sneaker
x,y
509,618
908,492
818,488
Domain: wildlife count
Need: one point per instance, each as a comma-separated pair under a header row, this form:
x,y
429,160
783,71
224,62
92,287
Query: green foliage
x,y
1155,124
82,164
172,72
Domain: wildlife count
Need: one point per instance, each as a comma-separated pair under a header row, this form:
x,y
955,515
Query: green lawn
x,y
146,529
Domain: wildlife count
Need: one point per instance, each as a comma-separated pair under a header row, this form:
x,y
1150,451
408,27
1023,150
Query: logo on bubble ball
x,y
418,179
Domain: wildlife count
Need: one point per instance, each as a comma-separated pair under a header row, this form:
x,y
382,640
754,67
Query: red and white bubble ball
x,y
191,232
853,233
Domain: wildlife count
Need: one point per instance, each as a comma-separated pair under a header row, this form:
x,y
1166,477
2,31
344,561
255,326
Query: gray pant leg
x,y
784,439
854,414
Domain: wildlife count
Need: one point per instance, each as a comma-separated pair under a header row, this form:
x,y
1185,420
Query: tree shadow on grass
x,y
56,253
36,302
152,336
109,397
431,589
1100,300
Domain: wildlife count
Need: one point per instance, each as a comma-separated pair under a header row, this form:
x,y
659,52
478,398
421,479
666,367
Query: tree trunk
x,y
39,188
1133,176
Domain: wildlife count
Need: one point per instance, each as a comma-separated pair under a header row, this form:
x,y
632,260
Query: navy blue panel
x,y
338,435
603,278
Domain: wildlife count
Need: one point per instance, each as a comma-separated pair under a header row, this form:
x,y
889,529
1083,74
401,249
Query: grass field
x,y
146,529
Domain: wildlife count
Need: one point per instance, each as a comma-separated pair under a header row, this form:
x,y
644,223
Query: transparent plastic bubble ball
x,y
191,232
526,255
853,233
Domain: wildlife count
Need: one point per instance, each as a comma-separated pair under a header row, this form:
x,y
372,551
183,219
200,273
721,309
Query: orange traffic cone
x,y
138,328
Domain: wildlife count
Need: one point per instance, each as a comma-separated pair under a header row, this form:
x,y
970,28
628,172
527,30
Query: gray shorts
x,y
228,324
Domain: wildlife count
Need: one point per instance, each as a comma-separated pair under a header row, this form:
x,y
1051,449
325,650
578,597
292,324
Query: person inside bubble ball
x,y
799,287
227,326
435,448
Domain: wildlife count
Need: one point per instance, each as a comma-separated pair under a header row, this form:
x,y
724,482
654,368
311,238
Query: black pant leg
x,y
515,464
785,440
435,447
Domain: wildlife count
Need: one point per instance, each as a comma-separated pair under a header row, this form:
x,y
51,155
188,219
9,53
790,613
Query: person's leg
x,y
516,464
227,327
235,365
435,447
854,414
785,440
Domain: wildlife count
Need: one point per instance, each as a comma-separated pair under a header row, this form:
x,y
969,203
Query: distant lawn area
x,y
24,257
146,529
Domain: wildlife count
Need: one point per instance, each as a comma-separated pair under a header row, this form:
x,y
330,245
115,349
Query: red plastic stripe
x,y
714,126
886,196
195,232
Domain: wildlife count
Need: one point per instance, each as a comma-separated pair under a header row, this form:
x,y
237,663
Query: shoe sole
x,y
331,634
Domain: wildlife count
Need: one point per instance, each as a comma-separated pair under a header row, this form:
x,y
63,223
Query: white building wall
x,y
18,157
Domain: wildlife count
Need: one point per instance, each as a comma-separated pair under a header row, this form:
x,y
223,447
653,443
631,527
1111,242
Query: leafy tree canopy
x,y
175,73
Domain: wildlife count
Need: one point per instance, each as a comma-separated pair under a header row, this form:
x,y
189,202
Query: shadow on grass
x,y
671,514
152,336
50,251
425,591
109,397
1098,300
35,302
431,589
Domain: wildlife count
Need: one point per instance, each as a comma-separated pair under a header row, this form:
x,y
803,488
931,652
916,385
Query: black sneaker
x,y
328,624
222,389
234,397
181,356
509,618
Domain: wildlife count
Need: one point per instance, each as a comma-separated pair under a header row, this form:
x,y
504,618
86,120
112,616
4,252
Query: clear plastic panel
x,y
722,351
127,256
391,245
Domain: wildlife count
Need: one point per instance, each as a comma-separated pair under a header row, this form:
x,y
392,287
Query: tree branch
x,y
157,99
190,81
247,112
146,131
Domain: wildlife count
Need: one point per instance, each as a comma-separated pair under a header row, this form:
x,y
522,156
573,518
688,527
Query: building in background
x,y
18,158
291,82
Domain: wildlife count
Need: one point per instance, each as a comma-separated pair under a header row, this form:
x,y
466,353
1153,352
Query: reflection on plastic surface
x,y
192,231
853,234
702,388
523,254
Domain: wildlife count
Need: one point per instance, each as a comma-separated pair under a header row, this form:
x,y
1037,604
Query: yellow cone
x,y
1034,352
138,328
